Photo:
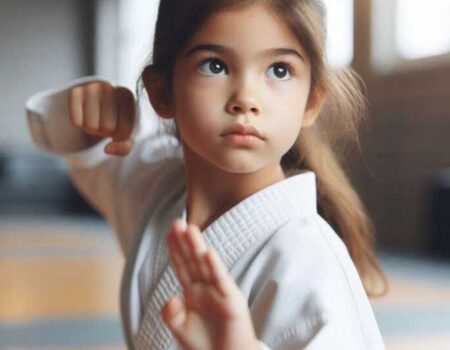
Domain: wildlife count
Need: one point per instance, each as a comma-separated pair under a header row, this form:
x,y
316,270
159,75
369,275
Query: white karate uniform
x,y
302,287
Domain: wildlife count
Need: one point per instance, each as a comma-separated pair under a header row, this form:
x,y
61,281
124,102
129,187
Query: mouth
x,y
243,130
242,140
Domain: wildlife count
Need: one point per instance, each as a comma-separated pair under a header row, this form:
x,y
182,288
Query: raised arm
x,y
78,124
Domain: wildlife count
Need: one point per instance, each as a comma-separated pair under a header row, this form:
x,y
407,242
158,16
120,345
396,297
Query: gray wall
x,y
43,44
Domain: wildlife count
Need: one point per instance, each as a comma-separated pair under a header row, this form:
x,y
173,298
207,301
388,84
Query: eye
x,y
212,67
280,71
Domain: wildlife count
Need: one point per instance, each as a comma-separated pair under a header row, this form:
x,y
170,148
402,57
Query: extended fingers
x,y
219,273
187,248
178,260
198,250
194,262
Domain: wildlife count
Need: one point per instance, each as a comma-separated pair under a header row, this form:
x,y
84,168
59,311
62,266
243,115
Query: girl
x,y
252,263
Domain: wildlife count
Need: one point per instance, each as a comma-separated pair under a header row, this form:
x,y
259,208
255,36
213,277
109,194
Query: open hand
x,y
214,314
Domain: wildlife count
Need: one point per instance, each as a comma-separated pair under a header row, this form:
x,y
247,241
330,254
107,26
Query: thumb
x,y
174,314
119,148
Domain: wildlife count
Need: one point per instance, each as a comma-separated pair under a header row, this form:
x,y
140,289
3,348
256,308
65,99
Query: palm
x,y
213,314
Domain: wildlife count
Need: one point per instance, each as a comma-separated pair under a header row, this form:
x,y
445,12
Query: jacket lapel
x,y
250,222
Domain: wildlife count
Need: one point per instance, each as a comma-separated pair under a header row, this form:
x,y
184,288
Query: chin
x,y
239,166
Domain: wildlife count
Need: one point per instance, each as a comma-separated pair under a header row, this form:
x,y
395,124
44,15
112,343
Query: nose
x,y
244,100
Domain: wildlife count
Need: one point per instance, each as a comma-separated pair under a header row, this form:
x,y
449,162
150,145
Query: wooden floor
x,y
59,285
60,280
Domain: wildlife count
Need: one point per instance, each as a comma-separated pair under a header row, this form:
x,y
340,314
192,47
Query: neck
x,y
212,191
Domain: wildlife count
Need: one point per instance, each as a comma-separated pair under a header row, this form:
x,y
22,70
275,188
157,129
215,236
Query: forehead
x,y
248,30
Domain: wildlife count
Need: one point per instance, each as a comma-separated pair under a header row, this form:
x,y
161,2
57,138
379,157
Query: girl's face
x,y
243,66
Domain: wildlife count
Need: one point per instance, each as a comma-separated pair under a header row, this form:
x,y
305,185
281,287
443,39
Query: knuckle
x,y
124,94
74,92
74,98
93,87
89,128
123,134
74,121
75,107
107,128
90,124
105,90
106,86
92,92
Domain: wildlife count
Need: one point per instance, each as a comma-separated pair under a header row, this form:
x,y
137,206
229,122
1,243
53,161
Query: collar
x,y
231,235
260,213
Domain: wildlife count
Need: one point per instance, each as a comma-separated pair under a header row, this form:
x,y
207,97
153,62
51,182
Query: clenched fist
x,y
103,110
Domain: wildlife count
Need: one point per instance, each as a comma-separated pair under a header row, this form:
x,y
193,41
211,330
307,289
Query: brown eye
x,y
212,67
279,71
215,67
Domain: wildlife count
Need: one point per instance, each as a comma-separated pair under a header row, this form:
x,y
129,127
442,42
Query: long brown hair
x,y
320,147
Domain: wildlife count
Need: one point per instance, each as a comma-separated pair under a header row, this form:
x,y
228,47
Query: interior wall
x,y
44,44
405,144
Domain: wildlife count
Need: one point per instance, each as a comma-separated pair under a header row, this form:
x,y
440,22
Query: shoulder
x,y
309,285
308,248
309,241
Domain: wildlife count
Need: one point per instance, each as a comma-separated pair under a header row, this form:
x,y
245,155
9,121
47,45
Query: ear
x,y
313,107
155,85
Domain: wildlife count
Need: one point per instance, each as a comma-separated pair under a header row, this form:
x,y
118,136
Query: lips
x,y
241,129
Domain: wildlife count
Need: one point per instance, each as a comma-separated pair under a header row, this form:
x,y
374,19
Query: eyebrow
x,y
281,51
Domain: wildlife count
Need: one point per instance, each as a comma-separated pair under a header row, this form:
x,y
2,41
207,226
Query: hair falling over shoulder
x,y
319,147
322,147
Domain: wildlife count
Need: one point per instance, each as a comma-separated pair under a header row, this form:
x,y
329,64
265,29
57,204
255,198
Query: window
x,y
137,19
408,33
124,33
422,28
340,32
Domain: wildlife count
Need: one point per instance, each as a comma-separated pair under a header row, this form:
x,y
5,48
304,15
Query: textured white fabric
x,y
302,288
263,345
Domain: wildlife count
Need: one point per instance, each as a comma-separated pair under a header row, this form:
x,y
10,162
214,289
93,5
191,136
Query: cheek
x,y
287,104
198,95
197,108
286,111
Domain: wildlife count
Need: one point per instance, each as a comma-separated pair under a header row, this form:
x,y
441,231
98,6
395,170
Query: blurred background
x,y
60,265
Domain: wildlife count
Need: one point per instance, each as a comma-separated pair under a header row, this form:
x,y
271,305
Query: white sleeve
x,y
113,185
51,129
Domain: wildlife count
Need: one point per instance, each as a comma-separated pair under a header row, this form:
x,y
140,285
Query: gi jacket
x,y
302,288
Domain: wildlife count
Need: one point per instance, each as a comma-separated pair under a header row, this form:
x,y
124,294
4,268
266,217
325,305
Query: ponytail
x,y
317,149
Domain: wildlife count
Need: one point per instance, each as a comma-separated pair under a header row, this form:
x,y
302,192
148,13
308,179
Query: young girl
x,y
274,228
